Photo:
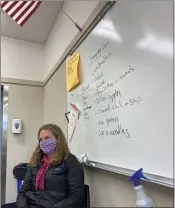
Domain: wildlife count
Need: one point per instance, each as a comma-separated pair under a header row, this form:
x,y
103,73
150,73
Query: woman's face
x,y
45,134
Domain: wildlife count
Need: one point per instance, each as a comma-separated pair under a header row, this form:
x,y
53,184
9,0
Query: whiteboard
x,y
126,95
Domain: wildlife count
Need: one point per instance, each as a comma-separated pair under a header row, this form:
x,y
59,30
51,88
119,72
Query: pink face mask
x,y
48,146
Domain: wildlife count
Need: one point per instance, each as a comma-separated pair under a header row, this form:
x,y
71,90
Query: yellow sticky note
x,y
73,71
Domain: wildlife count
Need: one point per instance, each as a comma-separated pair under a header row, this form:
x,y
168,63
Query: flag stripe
x,y
30,14
11,6
27,12
3,3
21,10
15,7
7,5
24,11
18,8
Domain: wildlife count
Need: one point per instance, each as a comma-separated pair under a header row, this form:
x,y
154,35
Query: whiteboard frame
x,y
156,179
160,180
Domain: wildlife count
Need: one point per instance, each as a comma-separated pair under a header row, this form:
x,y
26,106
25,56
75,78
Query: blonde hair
x,y
62,149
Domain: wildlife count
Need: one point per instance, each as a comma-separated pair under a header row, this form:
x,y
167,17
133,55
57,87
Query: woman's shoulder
x,y
72,160
34,167
72,156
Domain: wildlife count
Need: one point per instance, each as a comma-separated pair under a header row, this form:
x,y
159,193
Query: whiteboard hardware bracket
x,y
76,24
100,15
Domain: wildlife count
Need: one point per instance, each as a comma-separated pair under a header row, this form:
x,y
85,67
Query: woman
x,y
55,178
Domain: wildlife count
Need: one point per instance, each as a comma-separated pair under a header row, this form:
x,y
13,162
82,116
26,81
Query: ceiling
x,y
37,28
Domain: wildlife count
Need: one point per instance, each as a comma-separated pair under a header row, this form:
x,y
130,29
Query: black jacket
x,y
64,185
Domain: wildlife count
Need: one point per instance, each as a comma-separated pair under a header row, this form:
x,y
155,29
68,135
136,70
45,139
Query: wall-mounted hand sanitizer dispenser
x,y
16,126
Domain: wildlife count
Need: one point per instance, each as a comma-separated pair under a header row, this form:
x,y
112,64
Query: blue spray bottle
x,y
142,200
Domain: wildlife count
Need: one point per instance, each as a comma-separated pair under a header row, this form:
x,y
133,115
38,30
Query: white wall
x,y
22,59
26,103
54,93
32,61
64,30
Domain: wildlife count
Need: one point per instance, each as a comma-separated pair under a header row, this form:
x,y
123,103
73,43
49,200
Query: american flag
x,y
20,11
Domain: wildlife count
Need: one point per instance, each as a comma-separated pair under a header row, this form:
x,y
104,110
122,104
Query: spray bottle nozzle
x,y
137,176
